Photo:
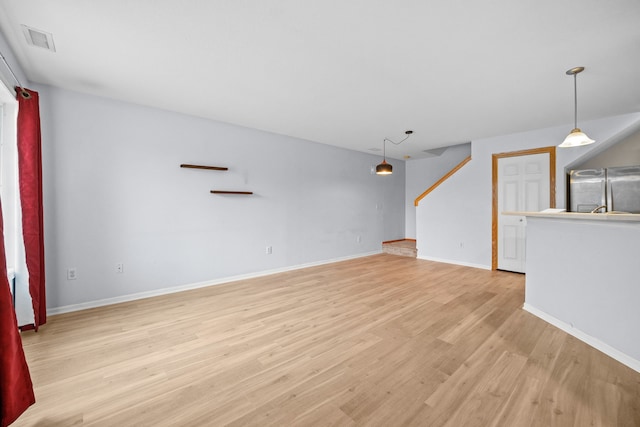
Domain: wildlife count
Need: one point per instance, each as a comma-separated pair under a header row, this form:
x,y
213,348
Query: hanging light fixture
x,y
385,168
576,138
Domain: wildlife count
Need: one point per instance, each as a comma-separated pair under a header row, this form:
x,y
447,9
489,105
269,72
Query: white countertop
x,y
580,216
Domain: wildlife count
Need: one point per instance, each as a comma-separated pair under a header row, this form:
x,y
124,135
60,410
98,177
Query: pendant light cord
x,y
575,101
398,143
384,143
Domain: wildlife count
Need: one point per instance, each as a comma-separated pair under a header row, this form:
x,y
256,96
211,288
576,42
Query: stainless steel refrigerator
x,y
616,189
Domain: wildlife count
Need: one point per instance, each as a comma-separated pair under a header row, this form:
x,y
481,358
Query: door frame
x,y
494,186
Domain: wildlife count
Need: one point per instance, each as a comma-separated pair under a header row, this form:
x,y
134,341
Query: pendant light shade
x,y
385,168
576,138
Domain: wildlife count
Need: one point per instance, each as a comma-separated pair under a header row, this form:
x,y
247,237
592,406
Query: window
x,y
8,173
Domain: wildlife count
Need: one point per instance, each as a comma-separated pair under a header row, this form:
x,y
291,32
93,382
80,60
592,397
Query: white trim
x,y
621,357
190,286
450,261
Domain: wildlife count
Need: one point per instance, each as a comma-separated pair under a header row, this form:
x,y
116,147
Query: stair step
x,y
401,247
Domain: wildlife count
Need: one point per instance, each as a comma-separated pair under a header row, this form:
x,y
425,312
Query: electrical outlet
x,y
358,239
269,250
120,268
72,273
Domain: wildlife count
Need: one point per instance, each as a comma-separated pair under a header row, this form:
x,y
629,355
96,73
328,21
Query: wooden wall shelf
x,y
213,168
230,192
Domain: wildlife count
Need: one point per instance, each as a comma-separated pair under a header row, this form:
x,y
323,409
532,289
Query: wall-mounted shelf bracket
x,y
213,168
230,192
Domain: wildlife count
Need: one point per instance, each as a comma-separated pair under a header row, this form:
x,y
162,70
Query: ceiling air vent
x,y
39,38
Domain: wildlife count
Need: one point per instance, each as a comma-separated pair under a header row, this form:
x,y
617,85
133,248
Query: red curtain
x,y
30,182
16,389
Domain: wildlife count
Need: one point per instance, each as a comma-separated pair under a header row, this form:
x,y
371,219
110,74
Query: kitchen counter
x,y
582,275
579,215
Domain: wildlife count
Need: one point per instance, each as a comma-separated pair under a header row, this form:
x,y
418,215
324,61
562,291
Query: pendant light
x,y
576,138
385,168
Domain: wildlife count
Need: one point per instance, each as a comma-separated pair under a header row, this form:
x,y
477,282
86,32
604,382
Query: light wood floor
x,y
382,340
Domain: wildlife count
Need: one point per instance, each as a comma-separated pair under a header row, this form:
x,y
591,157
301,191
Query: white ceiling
x,y
345,72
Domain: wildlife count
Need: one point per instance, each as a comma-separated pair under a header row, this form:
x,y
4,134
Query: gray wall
x,y
423,173
592,295
114,193
454,221
624,153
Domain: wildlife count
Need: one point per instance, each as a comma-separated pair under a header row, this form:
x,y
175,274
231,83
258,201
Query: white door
x,y
523,186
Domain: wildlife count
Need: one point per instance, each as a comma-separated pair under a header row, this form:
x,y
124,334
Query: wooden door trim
x,y
494,183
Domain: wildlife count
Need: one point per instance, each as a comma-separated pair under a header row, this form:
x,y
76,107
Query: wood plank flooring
x,y
377,341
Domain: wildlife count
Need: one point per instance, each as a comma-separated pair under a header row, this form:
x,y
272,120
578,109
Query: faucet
x,y
598,208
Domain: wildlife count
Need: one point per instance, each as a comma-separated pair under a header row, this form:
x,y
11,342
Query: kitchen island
x,y
583,276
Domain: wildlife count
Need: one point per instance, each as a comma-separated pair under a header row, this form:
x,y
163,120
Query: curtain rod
x,y
23,92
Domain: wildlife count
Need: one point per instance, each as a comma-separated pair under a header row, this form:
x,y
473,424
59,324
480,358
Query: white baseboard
x,y
621,357
190,286
449,261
